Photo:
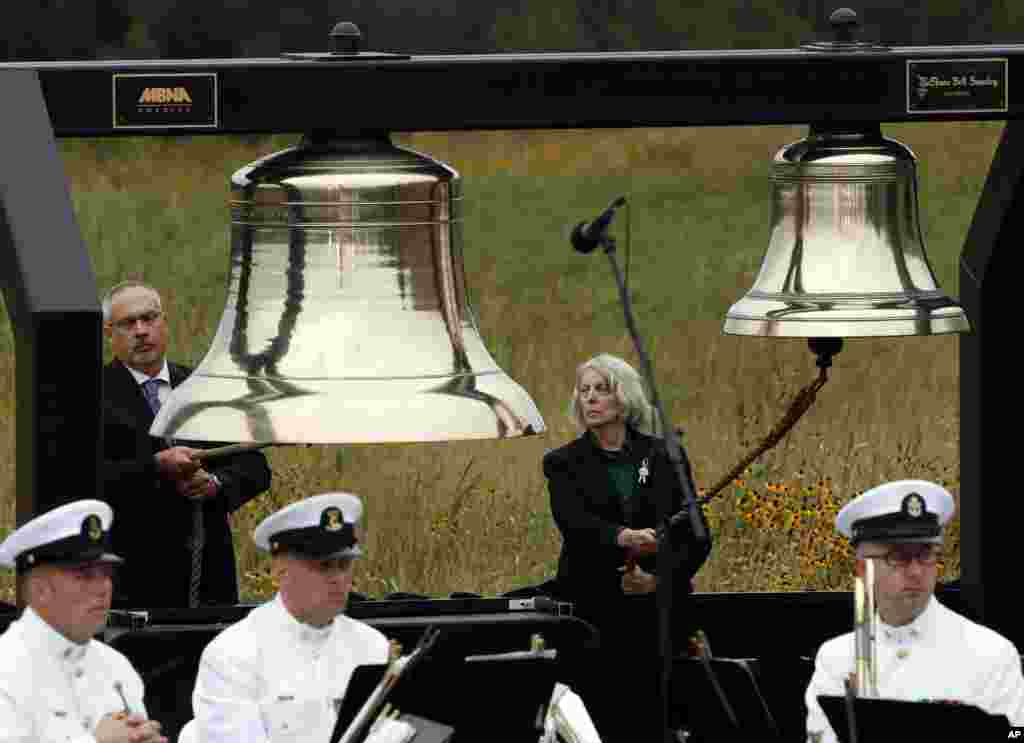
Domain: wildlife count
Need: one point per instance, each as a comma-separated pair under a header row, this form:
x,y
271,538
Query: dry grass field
x,y
475,516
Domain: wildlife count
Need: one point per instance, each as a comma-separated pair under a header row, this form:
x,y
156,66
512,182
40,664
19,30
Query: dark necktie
x,y
151,391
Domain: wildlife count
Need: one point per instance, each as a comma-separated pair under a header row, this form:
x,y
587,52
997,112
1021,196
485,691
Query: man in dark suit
x,y
161,494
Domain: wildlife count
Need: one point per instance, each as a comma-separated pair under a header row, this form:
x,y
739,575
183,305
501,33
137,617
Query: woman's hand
x,y
640,540
637,580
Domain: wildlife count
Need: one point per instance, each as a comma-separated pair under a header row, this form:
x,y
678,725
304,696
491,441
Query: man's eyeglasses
x,y
126,324
901,560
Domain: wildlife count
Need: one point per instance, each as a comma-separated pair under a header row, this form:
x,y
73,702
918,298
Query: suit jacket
x,y
153,524
589,515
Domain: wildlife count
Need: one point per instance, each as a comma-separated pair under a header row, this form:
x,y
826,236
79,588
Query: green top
x,y
622,472
622,475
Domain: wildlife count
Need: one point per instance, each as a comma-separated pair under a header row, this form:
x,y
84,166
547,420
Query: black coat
x,y
620,685
152,522
589,515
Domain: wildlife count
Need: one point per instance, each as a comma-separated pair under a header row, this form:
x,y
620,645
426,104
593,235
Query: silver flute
x,y
865,630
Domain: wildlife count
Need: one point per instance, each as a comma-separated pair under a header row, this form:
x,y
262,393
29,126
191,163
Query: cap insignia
x,y
331,519
913,505
92,528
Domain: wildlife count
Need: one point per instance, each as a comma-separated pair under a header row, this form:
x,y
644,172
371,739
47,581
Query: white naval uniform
x,y
53,690
272,678
939,656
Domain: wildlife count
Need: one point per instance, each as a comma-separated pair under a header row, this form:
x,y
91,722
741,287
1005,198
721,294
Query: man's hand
x,y
177,463
636,580
643,541
201,485
119,728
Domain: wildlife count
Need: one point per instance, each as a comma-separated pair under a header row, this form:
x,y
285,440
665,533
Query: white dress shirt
x,y
939,656
272,678
54,690
163,391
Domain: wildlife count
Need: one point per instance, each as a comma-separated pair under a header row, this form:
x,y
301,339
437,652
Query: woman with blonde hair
x,y
606,488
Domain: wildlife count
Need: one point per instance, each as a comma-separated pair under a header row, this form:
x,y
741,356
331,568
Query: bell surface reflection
x,y
845,255
347,318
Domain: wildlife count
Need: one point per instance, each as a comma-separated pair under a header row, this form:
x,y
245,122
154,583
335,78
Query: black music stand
x,y
698,687
481,699
886,719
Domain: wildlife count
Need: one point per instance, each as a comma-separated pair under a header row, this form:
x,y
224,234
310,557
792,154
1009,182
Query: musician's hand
x,y
200,485
638,539
176,463
636,580
121,728
147,731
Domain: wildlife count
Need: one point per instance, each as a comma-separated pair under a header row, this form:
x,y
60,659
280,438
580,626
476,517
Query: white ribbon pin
x,y
643,472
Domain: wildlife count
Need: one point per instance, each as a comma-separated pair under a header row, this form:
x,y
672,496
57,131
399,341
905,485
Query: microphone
x,y
587,235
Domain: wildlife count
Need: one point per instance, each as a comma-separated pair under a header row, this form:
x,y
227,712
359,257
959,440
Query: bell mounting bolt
x,y
346,38
845,33
345,42
845,24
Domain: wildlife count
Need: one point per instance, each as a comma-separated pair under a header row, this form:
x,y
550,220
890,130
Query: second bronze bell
x,y
845,254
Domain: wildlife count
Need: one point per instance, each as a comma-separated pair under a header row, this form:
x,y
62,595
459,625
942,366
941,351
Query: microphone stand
x,y
666,562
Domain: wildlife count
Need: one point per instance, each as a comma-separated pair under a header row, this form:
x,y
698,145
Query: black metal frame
x,y
51,293
526,91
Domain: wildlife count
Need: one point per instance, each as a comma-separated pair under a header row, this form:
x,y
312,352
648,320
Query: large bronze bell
x,y
845,257
347,318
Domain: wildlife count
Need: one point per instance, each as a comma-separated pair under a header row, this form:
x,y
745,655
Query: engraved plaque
x,y
957,85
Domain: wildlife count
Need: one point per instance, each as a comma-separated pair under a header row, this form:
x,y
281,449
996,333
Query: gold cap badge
x,y
331,519
913,504
92,527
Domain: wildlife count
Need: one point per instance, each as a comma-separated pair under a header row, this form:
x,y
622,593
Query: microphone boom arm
x,y
666,563
672,444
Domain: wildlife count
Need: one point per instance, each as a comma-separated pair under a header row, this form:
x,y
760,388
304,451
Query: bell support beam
x,y
50,293
521,91
990,509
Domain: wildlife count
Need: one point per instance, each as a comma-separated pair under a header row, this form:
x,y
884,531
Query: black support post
x,y
990,509
50,293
